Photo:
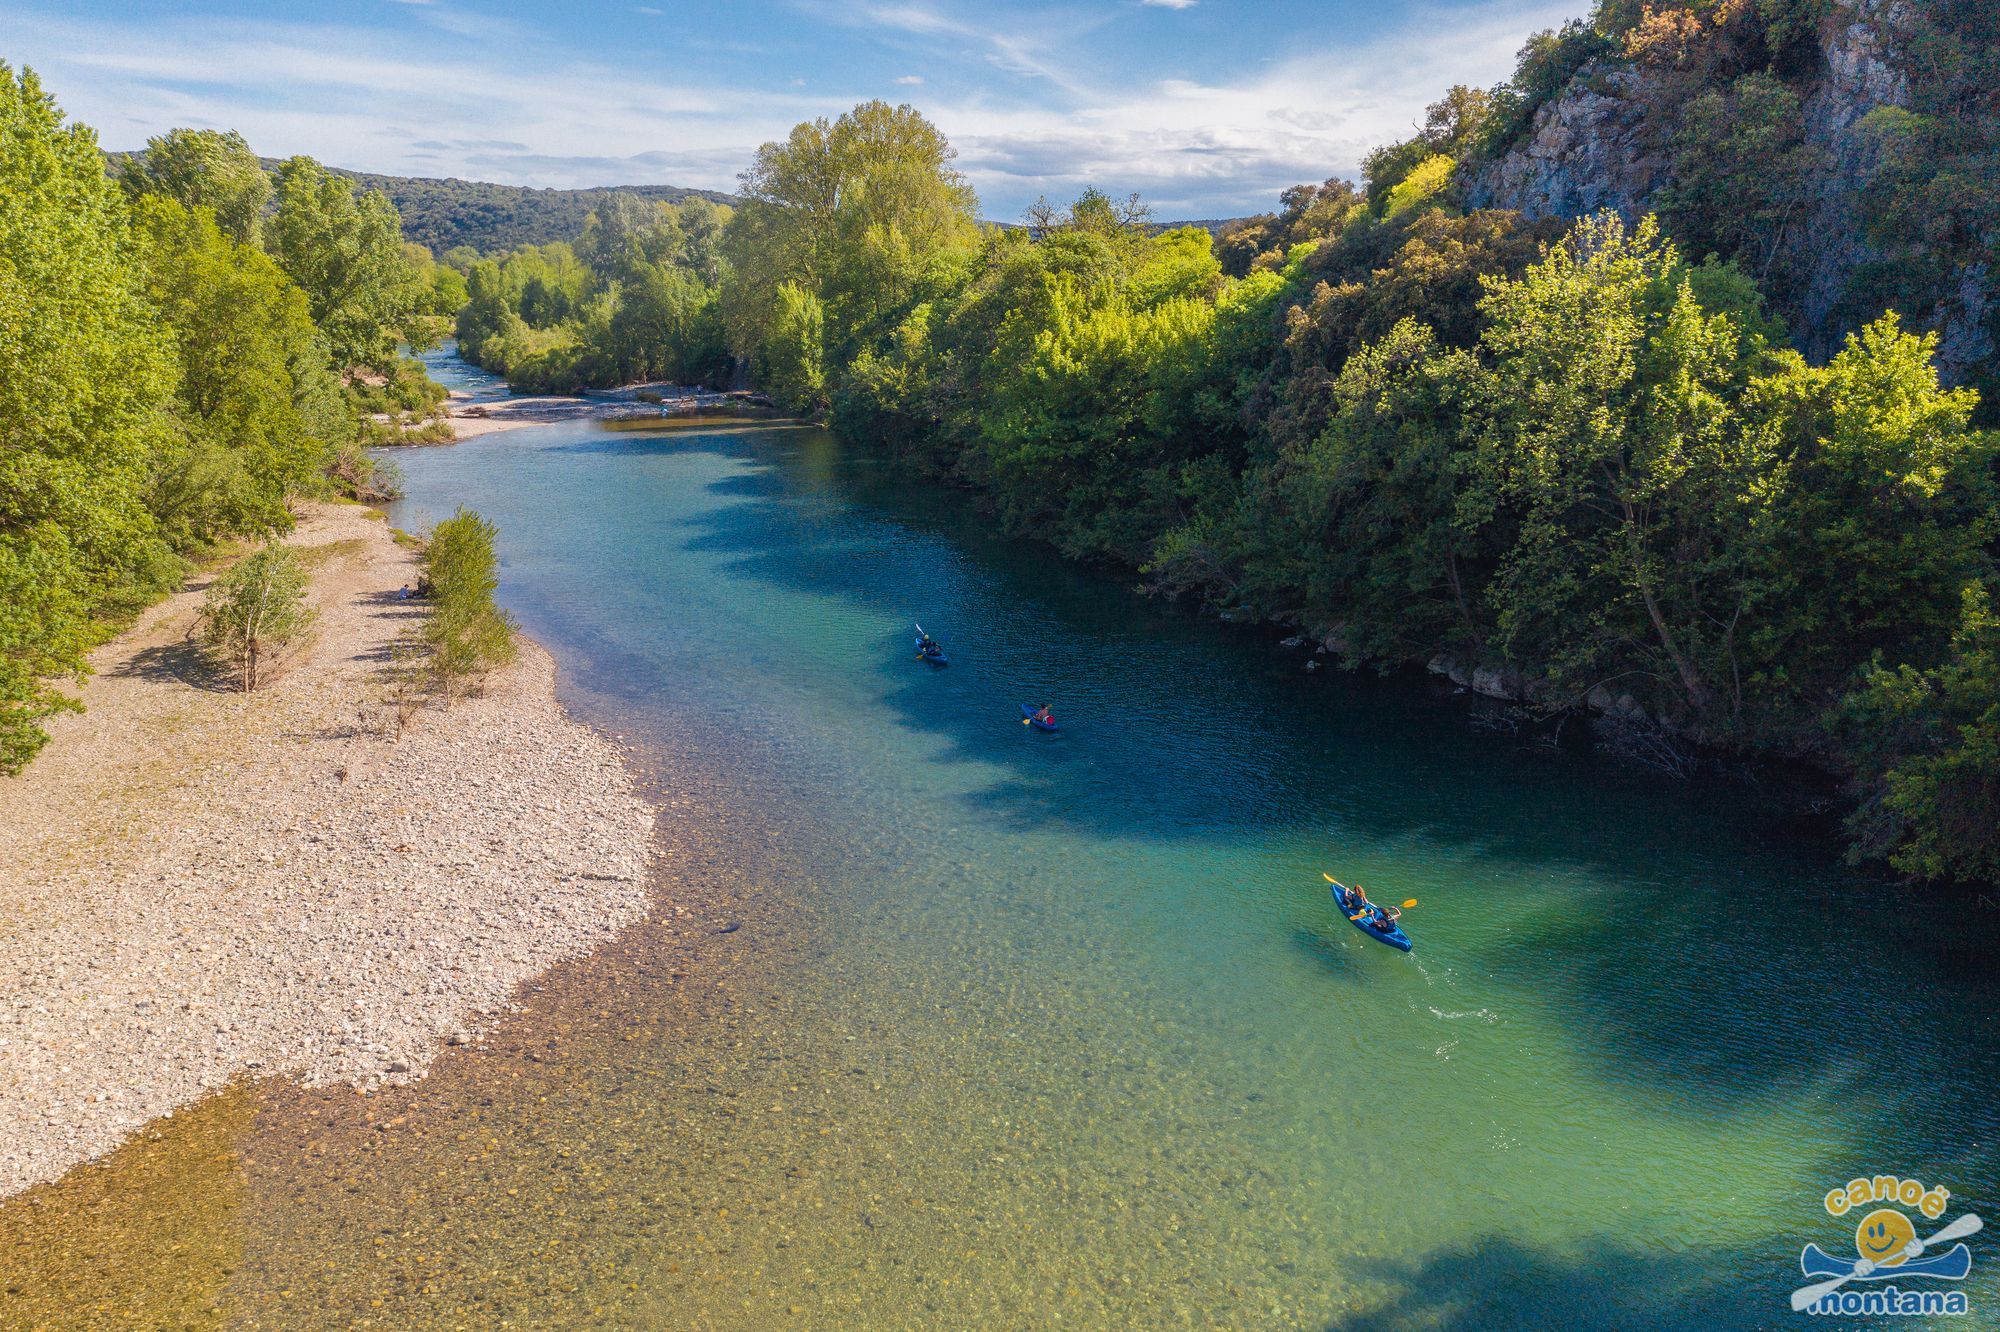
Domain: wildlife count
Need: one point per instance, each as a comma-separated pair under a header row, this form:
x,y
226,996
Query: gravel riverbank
x,y
197,884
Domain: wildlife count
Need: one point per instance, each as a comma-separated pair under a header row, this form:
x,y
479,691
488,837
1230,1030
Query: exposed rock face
x,y
1855,43
1605,142
1591,148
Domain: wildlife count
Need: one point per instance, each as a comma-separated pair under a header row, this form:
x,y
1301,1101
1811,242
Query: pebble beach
x,y
199,885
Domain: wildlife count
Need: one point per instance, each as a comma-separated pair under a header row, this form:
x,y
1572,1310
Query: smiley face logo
x,y
1881,1236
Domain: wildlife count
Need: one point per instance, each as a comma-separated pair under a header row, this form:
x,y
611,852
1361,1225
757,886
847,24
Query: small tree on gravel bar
x,y
255,609
467,633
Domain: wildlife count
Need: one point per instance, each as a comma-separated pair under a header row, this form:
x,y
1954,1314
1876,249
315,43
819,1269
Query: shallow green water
x,y
1642,1034
1022,1031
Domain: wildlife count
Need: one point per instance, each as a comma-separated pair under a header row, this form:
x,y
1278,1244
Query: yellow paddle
x,y
1330,879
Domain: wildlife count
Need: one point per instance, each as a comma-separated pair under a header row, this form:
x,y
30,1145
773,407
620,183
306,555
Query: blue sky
x,y
1207,107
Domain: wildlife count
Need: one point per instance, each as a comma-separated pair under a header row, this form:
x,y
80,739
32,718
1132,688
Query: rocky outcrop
x,y
1855,44
1605,142
1593,147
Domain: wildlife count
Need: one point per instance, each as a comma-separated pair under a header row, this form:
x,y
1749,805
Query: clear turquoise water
x,y
1085,998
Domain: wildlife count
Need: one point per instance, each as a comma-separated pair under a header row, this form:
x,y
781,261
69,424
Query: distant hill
x,y
447,213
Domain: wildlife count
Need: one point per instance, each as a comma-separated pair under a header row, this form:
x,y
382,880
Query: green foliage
x,y
1424,186
255,609
1308,213
253,416
1881,511
633,299
849,211
163,385
1743,175
793,356
1358,524
467,633
204,169
1925,744
85,375
346,253
473,217
1607,444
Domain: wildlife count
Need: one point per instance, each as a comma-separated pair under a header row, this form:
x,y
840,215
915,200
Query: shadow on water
x,y
1678,967
1600,1288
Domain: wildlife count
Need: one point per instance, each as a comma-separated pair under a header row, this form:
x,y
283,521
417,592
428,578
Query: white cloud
x,y
910,80
1197,149
1168,4
496,106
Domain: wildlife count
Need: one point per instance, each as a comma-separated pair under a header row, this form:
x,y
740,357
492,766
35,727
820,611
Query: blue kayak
x,y
1375,924
1029,715
935,656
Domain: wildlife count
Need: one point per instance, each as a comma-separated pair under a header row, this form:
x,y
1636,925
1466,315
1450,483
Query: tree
x,y
84,378
848,211
1608,438
204,169
794,357
1925,746
1881,510
467,632
255,609
1742,172
347,255
1453,123
256,394
1367,512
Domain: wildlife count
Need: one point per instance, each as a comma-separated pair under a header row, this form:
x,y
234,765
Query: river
x,y
967,1025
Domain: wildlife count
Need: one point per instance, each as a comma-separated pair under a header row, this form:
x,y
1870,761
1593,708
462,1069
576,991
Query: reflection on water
x,y
1016,1025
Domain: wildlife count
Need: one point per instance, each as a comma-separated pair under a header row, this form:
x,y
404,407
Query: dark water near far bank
x,y
1028,1031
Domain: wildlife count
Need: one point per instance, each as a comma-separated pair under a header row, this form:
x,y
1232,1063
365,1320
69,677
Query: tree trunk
x,y
1691,681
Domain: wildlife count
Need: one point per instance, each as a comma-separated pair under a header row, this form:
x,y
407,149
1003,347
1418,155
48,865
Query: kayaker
x,y
1042,714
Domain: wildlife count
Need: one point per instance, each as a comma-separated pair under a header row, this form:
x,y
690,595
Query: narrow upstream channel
x,y
967,1025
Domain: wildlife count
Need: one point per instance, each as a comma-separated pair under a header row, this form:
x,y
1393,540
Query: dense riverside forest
x,y
1583,458
183,348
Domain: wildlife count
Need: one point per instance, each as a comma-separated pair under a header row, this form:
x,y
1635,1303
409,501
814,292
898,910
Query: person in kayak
x,y
928,646
1043,713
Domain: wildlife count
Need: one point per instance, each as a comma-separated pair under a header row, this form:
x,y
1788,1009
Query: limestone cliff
x,y
1606,141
